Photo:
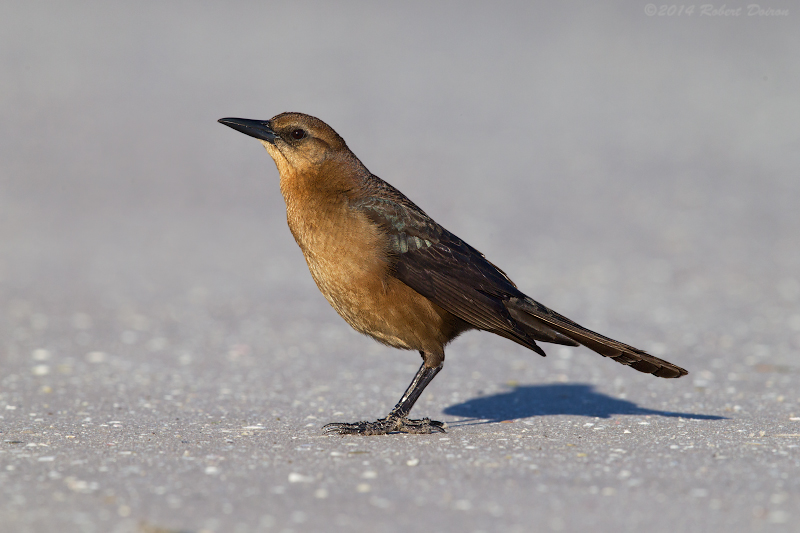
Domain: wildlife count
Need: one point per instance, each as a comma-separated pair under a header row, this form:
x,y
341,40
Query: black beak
x,y
260,129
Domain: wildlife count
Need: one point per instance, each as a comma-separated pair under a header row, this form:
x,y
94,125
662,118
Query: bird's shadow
x,y
555,399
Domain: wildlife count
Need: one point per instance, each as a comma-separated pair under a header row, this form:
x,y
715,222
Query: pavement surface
x,y
166,362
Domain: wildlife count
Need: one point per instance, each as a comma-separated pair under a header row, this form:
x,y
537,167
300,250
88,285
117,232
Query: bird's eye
x,y
298,134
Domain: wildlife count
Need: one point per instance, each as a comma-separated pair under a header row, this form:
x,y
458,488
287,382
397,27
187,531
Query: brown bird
x,y
396,275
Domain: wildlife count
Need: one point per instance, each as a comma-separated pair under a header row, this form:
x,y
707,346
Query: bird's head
x,y
299,144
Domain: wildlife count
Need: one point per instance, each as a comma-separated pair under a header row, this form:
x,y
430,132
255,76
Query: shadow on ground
x,y
556,399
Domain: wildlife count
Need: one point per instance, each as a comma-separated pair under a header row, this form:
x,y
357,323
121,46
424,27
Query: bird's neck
x,y
319,198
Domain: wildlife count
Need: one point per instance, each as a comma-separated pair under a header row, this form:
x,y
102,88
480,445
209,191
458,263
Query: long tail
x,y
547,325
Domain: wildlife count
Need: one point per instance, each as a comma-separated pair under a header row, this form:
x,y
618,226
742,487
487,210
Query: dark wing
x,y
445,269
458,278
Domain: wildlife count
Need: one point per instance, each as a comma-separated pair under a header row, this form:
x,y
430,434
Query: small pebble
x,y
294,477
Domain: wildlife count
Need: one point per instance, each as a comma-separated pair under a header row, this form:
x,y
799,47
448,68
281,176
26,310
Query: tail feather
x,y
547,324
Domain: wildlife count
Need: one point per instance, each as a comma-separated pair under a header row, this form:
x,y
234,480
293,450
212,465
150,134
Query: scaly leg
x,y
397,420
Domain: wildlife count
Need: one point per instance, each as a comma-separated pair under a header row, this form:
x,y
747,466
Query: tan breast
x,y
347,256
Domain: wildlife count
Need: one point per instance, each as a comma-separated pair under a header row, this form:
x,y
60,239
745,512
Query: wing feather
x,y
459,279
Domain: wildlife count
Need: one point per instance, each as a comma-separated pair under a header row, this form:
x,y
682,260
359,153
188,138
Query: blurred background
x,y
636,172
567,141
615,164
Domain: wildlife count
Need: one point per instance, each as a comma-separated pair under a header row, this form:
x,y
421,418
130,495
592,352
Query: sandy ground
x,y
166,362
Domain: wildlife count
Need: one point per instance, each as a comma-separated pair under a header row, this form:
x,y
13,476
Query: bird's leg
x,y
397,420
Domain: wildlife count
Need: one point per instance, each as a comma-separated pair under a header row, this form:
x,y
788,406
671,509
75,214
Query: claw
x,y
421,427
390,424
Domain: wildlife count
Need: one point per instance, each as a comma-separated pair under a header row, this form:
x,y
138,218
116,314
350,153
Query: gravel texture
x,y
166,362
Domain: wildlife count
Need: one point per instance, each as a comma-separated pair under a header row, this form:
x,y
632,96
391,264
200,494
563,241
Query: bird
x,y
396,275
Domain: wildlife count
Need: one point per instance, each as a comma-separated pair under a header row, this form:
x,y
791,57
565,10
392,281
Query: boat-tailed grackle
x,y
396,275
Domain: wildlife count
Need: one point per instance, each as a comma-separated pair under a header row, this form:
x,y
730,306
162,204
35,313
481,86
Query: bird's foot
x,y
424,426
390,424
